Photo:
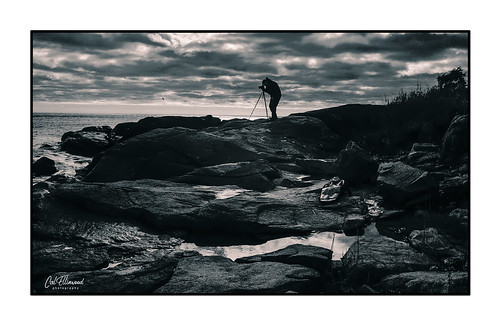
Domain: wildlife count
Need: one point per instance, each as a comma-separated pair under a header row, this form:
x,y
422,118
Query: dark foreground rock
x,y
314,257
85,143
130,129
354,225
425,156
64,258
216,274
44,166
200,180
254,175
168,205
284,140
426,282
456,139
165,153
404,185
371,258
132,279
355,165
437,245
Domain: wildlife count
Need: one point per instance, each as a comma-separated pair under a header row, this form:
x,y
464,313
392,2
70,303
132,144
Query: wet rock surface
x,y
405,185
86,142
356,166
255,175
370,259
209,274
173,206
310,256
425,282
157,183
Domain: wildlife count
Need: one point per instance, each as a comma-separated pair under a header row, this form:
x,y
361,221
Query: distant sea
x,y
47,129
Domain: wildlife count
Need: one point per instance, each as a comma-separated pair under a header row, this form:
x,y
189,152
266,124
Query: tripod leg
x,y
256,105
265,104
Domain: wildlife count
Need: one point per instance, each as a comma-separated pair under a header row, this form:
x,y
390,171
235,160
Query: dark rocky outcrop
x,y
216,274
456,139
163,184
425,156
460,218
404,185
284,140
317,167
85,143
432,243
310,256
61,258
355,165
168,205
165,153
130,129
371,258
44,166
255,175
353,121
130,279
426,282
454,189
354,225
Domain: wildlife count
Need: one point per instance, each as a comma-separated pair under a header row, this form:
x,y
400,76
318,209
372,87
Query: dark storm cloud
x,y
408,46
83,41
137,67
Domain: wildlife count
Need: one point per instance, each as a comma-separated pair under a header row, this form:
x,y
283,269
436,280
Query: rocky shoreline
x,y
117,227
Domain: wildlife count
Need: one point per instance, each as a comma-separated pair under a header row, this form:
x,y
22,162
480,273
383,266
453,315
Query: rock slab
x,y
220,275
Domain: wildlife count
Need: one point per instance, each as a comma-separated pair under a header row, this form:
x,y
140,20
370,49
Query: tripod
x,y
265,104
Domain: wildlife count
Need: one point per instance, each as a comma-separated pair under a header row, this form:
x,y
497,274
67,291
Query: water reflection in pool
x,y
341,244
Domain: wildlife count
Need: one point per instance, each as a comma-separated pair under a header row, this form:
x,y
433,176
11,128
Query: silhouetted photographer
x,y
272,88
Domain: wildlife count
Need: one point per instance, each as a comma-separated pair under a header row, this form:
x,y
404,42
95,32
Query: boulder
x,y
84,143
354,225
220,275
44,166
404,185
426,283
350,121
130,279
165,153
454,189
61,258
206,209
130,129
282,141
430,242
425,156
371,258
355,165
317,167
103,129
254,175
460,217
314,257
456,139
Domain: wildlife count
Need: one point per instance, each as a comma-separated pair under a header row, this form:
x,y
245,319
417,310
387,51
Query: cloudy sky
x,y
219,73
